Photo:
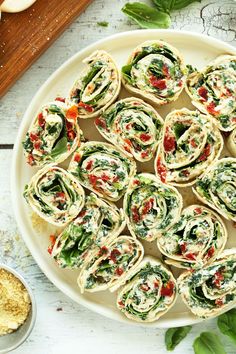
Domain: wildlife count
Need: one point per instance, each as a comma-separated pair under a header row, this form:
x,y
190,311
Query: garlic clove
x,y
15,6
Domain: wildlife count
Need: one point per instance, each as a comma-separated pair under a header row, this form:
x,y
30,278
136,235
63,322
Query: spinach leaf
x,y
180,129
126,72
227,324
191,69
99,96
95,68
164,5
169,5
146,16
174,336
208,343
60,147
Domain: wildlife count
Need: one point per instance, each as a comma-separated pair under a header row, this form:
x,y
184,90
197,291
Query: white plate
x,y
197,50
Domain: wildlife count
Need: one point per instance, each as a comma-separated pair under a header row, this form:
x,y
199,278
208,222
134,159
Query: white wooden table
x,y
63,326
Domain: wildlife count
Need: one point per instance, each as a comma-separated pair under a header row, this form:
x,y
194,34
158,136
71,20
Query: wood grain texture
x,y
63,326
24,36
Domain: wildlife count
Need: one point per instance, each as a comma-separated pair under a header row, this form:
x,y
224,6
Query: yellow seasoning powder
x,y
14,302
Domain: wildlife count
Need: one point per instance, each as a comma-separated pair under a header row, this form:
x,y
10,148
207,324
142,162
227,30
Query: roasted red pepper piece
x,y
202,91
211,108
211,252
119,271
161,170
89,165
61,99
145,137
158,83
169,142
41,120
206,153
168,289
52,239
72,113
198,210
87,107
77,157
100,122
135,214
114,254
218,279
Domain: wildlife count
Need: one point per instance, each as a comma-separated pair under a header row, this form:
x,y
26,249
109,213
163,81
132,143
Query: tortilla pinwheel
x,y
213,90
103,169
53,135
231,142
198,237
109,266
155,71
217,187
97,224
55,195
150,206
149,293
210,290
98,85
190,143
132,125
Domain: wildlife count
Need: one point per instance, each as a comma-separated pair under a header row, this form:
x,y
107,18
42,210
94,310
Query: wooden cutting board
x,y
24,36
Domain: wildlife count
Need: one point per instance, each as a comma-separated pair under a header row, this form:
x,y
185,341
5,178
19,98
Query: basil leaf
x,y
227,324
190,69
174,336
164,5
208,343
180,4
169,5
126,72
60,147
95,68
146,16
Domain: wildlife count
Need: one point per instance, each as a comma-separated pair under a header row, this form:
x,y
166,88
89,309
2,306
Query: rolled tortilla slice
x,y
198,238
97,224
231,142
210,290
103,169
132,125
109,266
217,187
190,143
53,135
213,90
155,71
149,293
151,207
55,195
98,85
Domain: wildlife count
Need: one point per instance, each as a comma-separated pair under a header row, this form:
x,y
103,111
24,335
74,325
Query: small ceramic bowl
x,y
11,341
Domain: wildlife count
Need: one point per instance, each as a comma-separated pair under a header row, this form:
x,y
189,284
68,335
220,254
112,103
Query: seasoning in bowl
x,y
15,302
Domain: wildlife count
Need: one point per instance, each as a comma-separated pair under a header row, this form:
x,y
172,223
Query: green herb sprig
x,y
207,342
174,336
154,17
227,324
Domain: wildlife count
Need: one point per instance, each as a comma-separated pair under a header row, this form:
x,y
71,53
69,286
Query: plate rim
x,y
14,187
